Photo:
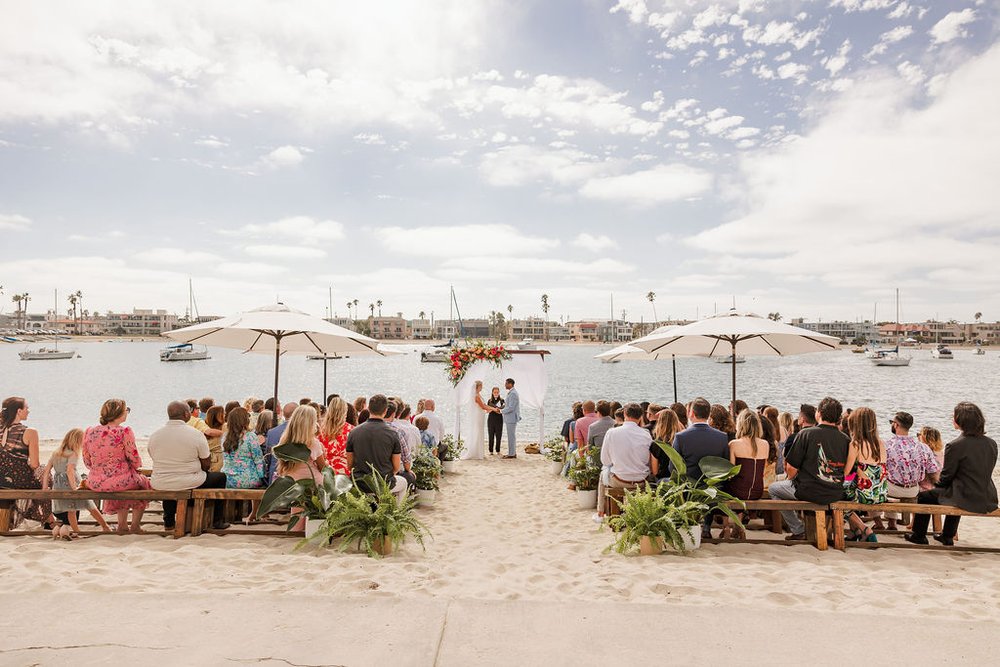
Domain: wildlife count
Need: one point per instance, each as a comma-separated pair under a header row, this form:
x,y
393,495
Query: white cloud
x,y
441,241
281,251
594,243
794,71
237,269
889,37
861,5
521,165
283,156
661,184
211,141
835,63
635,9
370,138
176,257
488,267
294,230
913,74
720,125
952,26
12,222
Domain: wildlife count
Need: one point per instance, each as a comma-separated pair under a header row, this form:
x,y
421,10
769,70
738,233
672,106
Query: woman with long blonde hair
x,y
301,429
333,433
749,450
865,476
664,429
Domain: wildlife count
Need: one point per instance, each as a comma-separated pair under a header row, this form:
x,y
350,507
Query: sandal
x,y
739,533
726,533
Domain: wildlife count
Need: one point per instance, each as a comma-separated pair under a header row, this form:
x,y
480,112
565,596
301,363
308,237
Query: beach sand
x,y
515,572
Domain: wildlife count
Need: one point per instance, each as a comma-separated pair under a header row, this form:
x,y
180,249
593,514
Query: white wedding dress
x,y
476,443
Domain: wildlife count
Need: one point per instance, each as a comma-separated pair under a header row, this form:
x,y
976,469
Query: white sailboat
x,y
186,351
942,352
43,353
891,357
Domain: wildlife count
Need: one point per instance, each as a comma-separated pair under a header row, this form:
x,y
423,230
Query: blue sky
x,y
802,157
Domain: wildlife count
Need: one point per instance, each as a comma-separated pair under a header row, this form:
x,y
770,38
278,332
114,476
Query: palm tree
x,y
355,309
379,304
422,314
348,309
651,297
371,306
774,317
24,309
72,302
978,316
545,309
17,303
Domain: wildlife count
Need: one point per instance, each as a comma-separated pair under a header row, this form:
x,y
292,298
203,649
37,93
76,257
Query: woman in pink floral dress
x,y
333,436
110,454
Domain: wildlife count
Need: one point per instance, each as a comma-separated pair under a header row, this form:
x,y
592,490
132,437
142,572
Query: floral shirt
x,y
244,466
908,460
336,450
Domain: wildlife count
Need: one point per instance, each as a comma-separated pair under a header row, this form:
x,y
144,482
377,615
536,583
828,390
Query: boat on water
x,y
891,357
728,359
184,352
979,351
42,353
321,357
526,344
942,352
436,355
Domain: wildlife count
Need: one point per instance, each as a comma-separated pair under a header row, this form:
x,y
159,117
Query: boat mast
x,y
330,312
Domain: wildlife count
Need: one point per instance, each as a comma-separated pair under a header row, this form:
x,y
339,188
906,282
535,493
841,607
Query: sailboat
x,y
441,354
186,351
891,357
43,353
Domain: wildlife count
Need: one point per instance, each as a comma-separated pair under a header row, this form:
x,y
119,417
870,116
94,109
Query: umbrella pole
x,y
324,376
733,362
673,362
277,362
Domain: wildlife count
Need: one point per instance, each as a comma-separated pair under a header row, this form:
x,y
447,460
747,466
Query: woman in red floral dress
x,y
333,436
110,454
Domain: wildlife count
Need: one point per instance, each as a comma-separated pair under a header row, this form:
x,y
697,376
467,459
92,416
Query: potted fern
x,y
453,451
427,469
585,475
305,495
375,522
555,452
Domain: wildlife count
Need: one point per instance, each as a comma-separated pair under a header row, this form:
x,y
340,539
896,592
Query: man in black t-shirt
x,y
373,447
814,465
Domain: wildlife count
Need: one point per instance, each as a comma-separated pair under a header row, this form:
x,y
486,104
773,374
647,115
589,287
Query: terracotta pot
x,y
383,547
650,546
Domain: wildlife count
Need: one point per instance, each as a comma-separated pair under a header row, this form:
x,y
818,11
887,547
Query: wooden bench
x,y
815,520
202,515
840,509
11,495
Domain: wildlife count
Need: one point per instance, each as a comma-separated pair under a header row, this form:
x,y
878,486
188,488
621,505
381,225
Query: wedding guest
x,y
931,437
699,439
427,438
436,424
666,427
204,405
62,465
576,411
197,422
110,454
181,461
748,450
232,405
865,477
406,454
814,465
333,432
966,480
420,408
410,433
625,456
737,406
374,448
215,420
301,430
619,416
352,415
600,428
265,422
908,462
20,467
361,403
720,419
494,420
272,439
583,424
649,418
243,460
681,412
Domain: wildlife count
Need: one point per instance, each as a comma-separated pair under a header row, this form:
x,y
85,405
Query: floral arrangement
x,y
463,357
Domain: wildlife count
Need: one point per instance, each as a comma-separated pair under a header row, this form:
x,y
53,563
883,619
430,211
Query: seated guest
x,y
374,448
231,405
197,422
736,407
352,415
215,419
406,453
649,417
598,429
333,432
814,465
680,410
699,439
181,461
749,450
427,438
619,416
931,437
110,455
864,473
273,438
410,433
436,423
966,479
265,423
567,428
666,427
807,418
583,424
361,403
720,419
20,465
302,430
243,461
786,429
625,455
908,462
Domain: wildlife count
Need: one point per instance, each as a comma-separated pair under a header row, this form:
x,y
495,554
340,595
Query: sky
x,y
801,157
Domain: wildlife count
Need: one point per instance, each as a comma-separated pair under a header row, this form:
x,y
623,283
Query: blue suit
x,y
511,412
697,441
270,461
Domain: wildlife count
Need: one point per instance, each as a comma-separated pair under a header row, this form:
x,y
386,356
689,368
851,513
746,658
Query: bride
x,y
477,441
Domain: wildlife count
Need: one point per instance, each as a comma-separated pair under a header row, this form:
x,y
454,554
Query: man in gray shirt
x,y
597,430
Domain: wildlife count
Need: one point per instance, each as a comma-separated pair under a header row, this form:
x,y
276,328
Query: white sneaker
x,y
597,518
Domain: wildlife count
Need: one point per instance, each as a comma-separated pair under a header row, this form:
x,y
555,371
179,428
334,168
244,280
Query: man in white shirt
x,y
180,462
625,455
435,424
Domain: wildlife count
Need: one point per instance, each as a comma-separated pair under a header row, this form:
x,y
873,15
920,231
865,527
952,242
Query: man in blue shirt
x,y
273,438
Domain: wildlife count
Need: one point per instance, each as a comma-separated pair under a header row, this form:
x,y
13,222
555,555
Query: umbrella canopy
x,y
631,352
732,333
277,329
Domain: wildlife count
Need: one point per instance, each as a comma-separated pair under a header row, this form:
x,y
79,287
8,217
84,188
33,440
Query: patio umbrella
x,y
629,352
730,333
278,329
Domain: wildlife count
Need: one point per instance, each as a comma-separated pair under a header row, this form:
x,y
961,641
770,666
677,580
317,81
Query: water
x,y
67,394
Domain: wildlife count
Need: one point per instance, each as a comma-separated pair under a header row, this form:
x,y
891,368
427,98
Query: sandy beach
x,y
515,572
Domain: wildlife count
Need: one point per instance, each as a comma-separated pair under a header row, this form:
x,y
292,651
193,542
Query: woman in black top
x,y
494,420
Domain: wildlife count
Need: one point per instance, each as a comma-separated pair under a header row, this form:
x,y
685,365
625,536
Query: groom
x,y
511,415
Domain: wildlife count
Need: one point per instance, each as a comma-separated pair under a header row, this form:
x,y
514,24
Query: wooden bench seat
x,y
9,495
202,514
840,509
815,517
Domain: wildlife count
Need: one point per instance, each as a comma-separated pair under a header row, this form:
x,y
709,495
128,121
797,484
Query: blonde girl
x,y
302,429
61,469
932,438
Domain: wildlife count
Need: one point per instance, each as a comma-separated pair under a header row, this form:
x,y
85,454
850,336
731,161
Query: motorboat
x,y
979,352
436,356
526,344
42,353
890,358
321,357
184,352
942,352
728,359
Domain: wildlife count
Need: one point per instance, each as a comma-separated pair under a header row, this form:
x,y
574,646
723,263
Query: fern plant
x,y
314,499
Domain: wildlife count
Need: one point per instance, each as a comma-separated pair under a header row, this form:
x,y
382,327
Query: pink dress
x,y
110,454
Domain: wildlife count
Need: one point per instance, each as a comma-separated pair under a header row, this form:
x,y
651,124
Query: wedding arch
x,y
526,367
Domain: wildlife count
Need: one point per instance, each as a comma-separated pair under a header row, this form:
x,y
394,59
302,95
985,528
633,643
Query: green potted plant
x,y
671,514
585,475
427,469
555,452
310,498
374,521
454,448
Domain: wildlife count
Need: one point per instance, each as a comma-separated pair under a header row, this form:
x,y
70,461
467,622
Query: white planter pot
x,y
587,499
426,497
691,537
312,525
449,466
556,467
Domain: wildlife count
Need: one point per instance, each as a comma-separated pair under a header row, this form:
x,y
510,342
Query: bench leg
x,y
198,517
838,530
180,521
936,518
821,530
5,516
775,526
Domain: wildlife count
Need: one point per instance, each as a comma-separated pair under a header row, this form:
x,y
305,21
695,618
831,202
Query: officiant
x,y
494,421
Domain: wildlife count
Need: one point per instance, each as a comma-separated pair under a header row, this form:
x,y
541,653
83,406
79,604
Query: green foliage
x,y
586,472
427,469
315,500
455,447
367,519
675,505
555,449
